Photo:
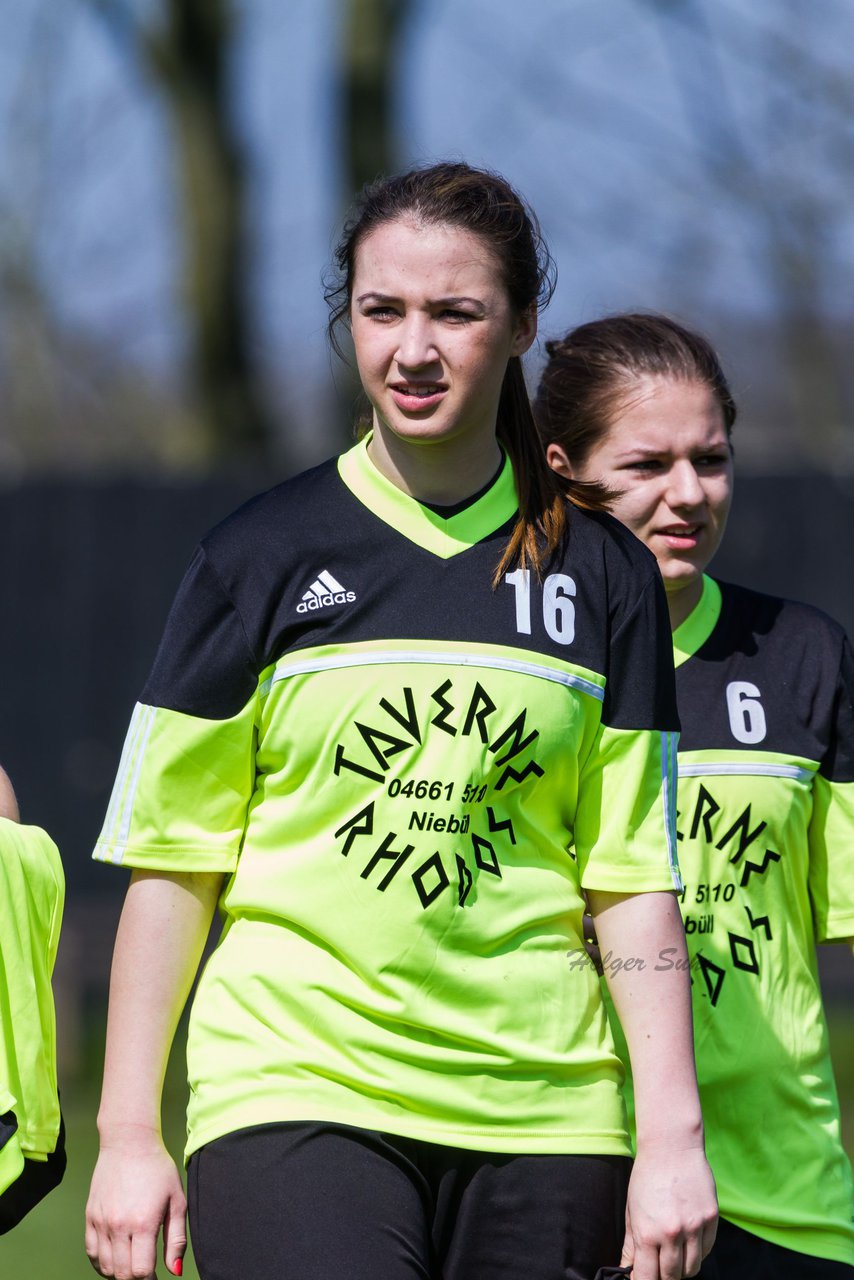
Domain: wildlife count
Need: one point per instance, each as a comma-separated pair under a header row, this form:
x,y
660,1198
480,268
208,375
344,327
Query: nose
x,y
415,346
684,489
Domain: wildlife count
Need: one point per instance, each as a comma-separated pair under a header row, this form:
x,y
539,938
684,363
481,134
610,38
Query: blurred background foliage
x,y
172,171
171,176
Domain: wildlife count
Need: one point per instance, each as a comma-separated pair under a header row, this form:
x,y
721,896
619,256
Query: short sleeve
x,y
625,828
186,775
641,687
831,832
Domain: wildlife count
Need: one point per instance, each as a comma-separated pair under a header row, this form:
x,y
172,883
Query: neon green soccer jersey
x,y
32,892
766,837
407,777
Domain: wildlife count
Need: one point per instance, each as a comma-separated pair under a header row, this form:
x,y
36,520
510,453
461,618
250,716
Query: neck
x,y
683,602
439,471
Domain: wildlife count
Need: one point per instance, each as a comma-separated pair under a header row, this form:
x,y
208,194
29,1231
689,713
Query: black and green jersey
x,y
408,776
766,845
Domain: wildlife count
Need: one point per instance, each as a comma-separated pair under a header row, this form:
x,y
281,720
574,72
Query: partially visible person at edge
x,y
407,705
32,894
766,790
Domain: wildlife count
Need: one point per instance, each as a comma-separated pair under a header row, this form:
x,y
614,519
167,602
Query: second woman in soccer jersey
x,y
407,704
766,790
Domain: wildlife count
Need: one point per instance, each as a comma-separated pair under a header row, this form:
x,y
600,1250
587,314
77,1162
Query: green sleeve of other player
x,y
32,893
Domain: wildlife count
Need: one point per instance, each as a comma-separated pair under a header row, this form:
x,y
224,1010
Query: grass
x,y
48,1244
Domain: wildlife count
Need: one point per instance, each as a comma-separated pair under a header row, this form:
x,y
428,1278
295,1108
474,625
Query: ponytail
x,y
543,522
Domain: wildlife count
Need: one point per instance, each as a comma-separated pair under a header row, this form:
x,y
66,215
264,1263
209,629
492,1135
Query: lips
x,y
680,537
415,397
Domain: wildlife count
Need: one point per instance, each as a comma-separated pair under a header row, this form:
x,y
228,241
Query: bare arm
x,y
672,1211
8,802
136,1188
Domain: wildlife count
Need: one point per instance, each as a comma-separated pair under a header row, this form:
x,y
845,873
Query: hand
x,y
671,1213
136,1189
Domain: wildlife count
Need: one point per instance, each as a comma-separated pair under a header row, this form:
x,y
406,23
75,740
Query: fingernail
x,y
178,1267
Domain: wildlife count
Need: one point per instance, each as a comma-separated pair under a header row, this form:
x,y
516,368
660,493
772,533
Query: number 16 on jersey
x,y
558,607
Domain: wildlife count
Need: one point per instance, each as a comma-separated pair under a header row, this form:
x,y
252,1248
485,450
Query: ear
x,y
526,332
558,461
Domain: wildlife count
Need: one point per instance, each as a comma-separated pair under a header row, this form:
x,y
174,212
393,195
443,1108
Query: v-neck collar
x,y
444,536
691,634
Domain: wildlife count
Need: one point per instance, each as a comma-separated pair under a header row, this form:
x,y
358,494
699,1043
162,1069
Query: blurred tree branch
x,y
372,32
793,219
186,55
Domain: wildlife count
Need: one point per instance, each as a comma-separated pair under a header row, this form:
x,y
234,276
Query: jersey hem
x,y
623,883
496,1141
178,858
836,928
812,1243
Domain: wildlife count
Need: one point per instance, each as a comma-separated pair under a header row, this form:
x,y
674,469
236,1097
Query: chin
x,y
678,577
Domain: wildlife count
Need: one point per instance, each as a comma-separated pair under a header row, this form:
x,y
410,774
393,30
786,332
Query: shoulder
x,y
613,561
296,504
780,622
600,534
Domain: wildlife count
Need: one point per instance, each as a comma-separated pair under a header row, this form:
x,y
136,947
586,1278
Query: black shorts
x,y
740,1255
326,1201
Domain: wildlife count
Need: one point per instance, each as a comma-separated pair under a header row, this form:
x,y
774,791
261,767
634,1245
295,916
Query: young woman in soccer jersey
x,y
766,789
407,705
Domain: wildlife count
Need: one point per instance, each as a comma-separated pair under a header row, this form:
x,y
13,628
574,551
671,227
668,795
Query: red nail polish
x,y
178,1267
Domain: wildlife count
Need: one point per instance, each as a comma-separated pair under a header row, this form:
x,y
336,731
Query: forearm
x,y
161,936
8,800
652,998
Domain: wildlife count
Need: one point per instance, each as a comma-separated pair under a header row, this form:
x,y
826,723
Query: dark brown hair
x,y
593,369
476,200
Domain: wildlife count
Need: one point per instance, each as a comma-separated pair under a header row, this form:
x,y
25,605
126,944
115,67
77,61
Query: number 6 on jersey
x,y
746,714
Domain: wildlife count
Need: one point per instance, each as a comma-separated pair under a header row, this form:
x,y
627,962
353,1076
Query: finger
x,y
143,1256
90,1243
710,1232
103,1259
645,1263
693,1254
117,1249
175,1236
671,1260
628,1254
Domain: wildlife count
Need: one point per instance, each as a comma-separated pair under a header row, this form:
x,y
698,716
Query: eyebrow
x,y
372,296
642,451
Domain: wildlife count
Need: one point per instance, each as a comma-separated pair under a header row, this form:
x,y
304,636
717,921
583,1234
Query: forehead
x,y
437,260
667,414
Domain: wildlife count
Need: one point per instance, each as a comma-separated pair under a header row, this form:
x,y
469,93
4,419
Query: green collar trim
x,y
443,537
700,623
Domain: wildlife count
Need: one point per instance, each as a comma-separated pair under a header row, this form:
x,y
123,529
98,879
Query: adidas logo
x,y
324,591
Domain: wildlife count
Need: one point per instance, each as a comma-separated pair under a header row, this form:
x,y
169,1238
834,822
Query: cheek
x,y
367,351
635,509
722,500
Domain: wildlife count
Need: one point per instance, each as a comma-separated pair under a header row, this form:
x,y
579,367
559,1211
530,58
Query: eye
x,y
455,316
644,466
380,312
712,461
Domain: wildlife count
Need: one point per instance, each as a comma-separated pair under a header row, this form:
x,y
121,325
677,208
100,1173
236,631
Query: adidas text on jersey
x,y
324,591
